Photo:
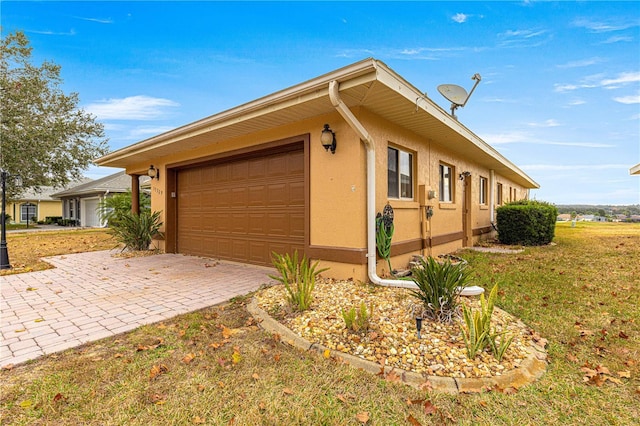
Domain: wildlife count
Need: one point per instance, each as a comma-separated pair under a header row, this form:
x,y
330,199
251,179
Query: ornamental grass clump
x,y
478,334
358,319
439,286
298,277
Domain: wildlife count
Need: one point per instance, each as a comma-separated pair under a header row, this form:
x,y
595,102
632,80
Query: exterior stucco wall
x,y
43,209
337,189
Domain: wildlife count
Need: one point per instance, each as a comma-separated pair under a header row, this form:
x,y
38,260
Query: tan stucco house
x,y
257,179
635,170
34,206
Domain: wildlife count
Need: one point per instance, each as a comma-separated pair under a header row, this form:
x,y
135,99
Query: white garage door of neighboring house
x,y
90,212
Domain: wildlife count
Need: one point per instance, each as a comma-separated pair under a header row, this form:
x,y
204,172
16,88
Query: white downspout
x,y
369,144
492,195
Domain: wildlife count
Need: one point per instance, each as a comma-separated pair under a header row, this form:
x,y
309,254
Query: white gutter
x,y
492,194
369,144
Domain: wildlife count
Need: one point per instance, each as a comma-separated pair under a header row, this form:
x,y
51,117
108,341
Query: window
x,y
71,203
499,194
446,186
28,213
483,190
399,174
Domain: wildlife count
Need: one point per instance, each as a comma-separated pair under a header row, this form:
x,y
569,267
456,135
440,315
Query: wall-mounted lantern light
x,y
328,139
464,175
153,172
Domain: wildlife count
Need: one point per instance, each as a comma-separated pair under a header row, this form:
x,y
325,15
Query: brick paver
x,y
89,296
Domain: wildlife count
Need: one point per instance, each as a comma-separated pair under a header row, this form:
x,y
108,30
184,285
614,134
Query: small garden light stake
x,y
418,315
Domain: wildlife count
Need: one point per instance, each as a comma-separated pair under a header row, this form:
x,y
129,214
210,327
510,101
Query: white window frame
x,y
446,182
27,208
402,172
483,191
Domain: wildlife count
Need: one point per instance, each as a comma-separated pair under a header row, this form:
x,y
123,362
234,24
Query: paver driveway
x,y
90,296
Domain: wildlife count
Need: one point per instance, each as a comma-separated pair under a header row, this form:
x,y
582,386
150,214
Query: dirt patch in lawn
x,y
27,248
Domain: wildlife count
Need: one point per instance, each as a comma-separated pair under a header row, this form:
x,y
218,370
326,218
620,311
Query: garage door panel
x,y
243,210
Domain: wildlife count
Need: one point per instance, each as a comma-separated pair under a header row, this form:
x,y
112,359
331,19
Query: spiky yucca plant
x,y
439,287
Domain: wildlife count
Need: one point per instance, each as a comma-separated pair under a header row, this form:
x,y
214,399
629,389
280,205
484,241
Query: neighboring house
x,y
257,179
593,218
80,203
33,206
564,217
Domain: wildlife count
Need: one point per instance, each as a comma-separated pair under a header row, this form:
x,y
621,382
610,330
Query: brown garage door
x,y
243,209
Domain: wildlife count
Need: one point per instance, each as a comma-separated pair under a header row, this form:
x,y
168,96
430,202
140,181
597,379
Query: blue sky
x,y
559,97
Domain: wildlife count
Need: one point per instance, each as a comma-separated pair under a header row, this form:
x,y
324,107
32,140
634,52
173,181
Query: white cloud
x,y
71,32
98,20
577,102
139,107
460,18
602,26
623,78
630,99
581,63
597,80
547,123
616,39
143,132
524,137
562,167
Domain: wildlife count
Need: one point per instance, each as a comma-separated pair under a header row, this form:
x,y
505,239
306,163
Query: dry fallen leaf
x,y
255,376
326,354
363,417
429,408
156,370
287,391
236,357
624,374
197,420
412,421
188,358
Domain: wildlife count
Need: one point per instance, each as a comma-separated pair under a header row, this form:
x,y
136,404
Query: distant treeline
x,y
599,210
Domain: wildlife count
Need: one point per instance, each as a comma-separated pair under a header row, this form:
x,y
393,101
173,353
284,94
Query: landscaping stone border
x,y
530,369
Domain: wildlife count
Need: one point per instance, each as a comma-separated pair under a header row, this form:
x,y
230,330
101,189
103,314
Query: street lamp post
x,y
4,253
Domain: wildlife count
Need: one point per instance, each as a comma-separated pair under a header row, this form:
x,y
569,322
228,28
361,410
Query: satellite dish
x,y
457,95
454,93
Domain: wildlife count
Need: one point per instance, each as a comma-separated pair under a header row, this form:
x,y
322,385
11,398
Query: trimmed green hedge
x,y
525,222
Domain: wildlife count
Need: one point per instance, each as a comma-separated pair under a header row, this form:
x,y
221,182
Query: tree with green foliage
x,y
112,208
44,137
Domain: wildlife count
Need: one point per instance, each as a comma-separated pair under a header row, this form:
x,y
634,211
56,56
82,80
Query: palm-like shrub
x,y
112,208
439,286
136,231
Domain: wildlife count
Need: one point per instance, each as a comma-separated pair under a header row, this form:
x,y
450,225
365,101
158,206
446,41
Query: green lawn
x,y
217,367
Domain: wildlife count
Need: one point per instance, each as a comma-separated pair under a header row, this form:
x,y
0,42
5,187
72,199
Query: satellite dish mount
x,y
457,95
